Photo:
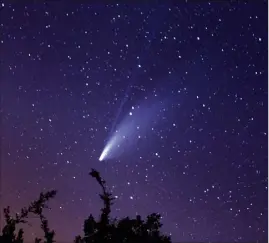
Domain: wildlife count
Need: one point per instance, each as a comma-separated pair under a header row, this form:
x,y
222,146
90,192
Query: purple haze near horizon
x,y
70,74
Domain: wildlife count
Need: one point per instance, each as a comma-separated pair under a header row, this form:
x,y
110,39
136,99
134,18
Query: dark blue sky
x,y
69,70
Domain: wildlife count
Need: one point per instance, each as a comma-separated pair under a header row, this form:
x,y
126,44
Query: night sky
x,y
73,74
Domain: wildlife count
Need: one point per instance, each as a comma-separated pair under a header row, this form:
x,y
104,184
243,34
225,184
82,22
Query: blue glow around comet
x,y
132,128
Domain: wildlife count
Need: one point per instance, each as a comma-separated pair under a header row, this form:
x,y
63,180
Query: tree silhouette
x,y
8,232
103,230
36,207
125,230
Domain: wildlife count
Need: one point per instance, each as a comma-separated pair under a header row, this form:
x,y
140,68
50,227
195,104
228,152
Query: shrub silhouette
x,y
125,230
103,230
36,207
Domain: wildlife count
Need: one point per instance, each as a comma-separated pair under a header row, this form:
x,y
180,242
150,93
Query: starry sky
x,y
71,73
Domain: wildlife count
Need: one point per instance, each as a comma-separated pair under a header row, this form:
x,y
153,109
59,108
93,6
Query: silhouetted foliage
x,y
103,230
36,207
8,232
125,230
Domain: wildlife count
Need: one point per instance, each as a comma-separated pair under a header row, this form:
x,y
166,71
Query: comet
x,y
133,127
